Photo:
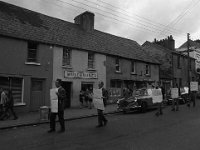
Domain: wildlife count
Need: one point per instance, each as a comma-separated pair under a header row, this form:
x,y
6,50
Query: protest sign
x,y
97,99
157,95
174,92
54,100
193,86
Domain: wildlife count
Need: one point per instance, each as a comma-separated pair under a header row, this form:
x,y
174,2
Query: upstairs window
x,y
32,52
133,67
117,65
66,57
147,69
90,60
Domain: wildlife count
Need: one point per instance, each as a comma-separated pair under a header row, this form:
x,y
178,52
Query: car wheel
x,y
143,107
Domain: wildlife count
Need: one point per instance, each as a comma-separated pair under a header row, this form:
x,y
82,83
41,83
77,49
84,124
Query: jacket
x,y
61,98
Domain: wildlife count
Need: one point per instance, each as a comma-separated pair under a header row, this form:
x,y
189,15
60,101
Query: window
x,y
32,52
90,60
179,62
117,65
115,83
66,57
133,67
15,85
147,69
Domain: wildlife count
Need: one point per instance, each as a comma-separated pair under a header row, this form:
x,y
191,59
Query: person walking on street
x,y
10,105
61,99
175,101
102,121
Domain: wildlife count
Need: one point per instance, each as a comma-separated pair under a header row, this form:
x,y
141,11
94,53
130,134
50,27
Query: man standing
x,y
61,98
192,95
102,121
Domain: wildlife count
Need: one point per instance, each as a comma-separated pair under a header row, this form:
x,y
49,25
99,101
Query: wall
x,y
79,62
12,63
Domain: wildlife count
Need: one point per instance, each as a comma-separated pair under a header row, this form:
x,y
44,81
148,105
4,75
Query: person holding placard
x,y
102,121
61,95
193,91
174,96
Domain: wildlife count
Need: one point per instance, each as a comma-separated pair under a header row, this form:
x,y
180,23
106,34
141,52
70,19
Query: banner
x,y
174,92
97,99
54,100
193,86
156,95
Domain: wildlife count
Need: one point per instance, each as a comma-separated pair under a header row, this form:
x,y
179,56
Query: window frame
x,y
133,65
32,47
91,61
66,60
147,69
117,65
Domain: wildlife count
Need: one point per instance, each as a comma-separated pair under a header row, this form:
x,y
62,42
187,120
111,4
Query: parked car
x,y
139,102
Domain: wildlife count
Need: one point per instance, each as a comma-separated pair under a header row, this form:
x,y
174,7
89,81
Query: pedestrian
x,y
102,121
175,101
192,96
3,102
10,104
61,99
81,98
90,99
159,110
86,92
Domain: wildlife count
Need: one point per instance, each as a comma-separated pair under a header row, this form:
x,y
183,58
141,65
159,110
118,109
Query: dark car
x,y
140,101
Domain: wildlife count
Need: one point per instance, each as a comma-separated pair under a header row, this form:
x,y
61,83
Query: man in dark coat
x,y
102,121
61,99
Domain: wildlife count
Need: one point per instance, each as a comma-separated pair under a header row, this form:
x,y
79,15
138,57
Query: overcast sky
x,y
139,20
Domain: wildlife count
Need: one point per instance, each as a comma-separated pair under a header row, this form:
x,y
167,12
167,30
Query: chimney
x,y
169,42
85,21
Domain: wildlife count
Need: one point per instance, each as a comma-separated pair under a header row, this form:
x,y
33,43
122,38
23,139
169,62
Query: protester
x,y
159,110
61,98
102,121
192,96
9,105
175,101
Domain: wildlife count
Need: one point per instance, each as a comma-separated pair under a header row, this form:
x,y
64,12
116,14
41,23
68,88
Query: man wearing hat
x,y
61,98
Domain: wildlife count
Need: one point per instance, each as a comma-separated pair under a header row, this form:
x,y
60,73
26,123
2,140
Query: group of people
x,y
6,104
61,94
85,98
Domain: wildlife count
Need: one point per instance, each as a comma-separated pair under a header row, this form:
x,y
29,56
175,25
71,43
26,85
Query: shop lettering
x,y
85,75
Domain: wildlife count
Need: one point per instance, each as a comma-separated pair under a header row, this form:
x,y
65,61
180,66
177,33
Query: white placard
x,y
193,86
54,100
174,92
97,99
157,95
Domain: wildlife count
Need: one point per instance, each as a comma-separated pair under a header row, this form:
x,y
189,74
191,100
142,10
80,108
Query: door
x,y
67,86
37,94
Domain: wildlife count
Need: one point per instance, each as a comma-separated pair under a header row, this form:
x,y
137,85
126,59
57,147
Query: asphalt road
x,y
135,131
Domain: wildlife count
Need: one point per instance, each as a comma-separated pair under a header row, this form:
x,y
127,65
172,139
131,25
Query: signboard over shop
x,y
81,75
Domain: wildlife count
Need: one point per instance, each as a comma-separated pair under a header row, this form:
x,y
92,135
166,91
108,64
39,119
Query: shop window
x,y
147,69
66,57
90,60
133,68
32,52
117,65
15,85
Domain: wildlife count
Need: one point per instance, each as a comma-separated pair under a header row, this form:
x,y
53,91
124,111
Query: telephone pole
x,y
188,54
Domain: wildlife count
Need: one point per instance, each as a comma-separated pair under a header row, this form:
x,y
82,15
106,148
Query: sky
x,y
138,20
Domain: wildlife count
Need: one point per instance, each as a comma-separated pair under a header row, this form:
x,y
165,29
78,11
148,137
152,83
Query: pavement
x,y
34,118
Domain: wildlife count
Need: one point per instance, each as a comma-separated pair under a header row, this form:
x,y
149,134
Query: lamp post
x,y
188,54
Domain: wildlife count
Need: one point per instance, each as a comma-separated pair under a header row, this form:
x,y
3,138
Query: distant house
x,y
174,65
37,49
194,52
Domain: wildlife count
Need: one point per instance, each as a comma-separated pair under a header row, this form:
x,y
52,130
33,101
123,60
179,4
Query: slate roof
x,y
25,24
191,43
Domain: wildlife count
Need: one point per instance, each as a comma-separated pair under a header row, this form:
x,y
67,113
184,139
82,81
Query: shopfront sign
x,y
82,75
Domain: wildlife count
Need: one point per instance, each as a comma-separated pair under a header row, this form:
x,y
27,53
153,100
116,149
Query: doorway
x,y
87,85
67,86
37,94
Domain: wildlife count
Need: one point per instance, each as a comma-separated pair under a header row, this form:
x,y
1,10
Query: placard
x,y
157,95
193,86
54,100
174,92
97,99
